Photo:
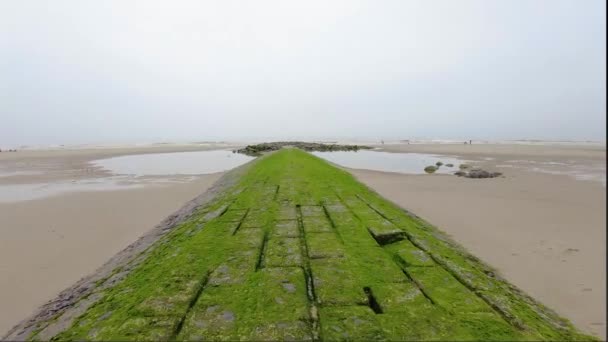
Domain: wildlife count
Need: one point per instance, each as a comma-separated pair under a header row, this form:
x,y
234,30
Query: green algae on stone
x,y
299,250
430,169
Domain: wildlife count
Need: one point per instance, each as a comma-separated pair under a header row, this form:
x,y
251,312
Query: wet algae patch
x,y
299,250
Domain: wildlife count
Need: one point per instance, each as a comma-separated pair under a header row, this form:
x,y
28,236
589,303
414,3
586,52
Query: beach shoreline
x,y
520,223
61,237
544,232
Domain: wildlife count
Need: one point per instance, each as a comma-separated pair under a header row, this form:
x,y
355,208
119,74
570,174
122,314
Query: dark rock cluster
x,y
477,173
258,149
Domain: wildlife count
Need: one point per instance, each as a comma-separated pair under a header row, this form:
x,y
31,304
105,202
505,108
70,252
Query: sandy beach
x,y
545,232
48,243
542,226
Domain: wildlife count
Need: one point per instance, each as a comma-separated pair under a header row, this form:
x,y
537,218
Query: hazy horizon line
x,y
354,139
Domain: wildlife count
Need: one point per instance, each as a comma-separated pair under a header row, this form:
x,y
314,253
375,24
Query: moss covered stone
x,y
299,250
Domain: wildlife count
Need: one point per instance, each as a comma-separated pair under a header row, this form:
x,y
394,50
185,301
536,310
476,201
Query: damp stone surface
x,y
297,249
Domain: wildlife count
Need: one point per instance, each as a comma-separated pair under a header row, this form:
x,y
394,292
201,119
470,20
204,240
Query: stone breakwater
x,y
296,249
258,149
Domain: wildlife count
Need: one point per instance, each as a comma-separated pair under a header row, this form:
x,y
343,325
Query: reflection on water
x,y
133,171
177,163
412,163
580,170
25,192
18,173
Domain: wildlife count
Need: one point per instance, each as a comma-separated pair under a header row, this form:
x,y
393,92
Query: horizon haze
x,y
76,72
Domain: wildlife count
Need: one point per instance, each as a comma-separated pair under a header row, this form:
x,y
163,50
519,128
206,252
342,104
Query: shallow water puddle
x,y
579,170
177,163
25,192
132,171
18,173
412,163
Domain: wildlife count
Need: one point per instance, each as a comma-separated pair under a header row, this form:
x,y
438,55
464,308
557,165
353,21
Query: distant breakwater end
x,y
258,149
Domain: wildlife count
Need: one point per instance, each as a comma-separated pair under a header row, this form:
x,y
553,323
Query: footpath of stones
x,y
300,250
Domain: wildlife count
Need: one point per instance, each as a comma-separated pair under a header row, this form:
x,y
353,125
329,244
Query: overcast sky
x,y
125,71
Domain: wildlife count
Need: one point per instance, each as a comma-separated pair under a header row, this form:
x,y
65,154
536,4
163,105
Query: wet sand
x,y
47,244
35,166
544,232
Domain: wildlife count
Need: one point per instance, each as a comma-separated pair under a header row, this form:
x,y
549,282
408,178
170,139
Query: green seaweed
x,y
300,250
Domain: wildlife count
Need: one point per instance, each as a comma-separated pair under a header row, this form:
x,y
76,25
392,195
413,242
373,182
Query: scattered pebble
x,y
430,169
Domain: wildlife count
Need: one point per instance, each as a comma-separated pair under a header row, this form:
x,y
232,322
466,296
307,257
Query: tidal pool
x,y
176,163
132,171
584,170
25,192
411,163
18,173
